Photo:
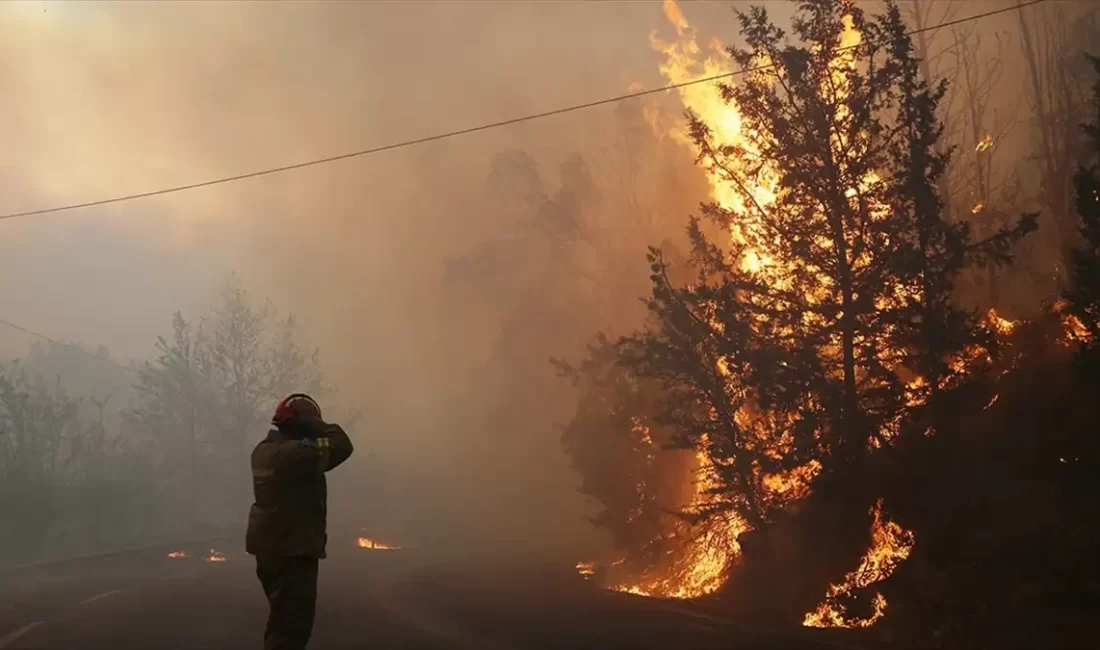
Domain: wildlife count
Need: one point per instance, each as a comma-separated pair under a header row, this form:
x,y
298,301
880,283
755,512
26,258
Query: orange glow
x,y
1075,330
978,207
176,555
985,144
215,556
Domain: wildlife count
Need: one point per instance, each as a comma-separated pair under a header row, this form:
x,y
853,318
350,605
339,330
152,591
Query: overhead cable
x,y
474,129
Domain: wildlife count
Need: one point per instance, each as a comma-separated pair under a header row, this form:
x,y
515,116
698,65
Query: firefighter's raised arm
x,y
338,444
320,453
301,443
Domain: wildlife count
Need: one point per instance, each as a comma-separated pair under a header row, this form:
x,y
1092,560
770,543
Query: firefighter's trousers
x,y
290,584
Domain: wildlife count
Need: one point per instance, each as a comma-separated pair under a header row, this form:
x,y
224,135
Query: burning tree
x,y
619,449
820,318
1084,296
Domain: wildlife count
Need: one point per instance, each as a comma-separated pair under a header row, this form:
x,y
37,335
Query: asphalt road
x,y
368,599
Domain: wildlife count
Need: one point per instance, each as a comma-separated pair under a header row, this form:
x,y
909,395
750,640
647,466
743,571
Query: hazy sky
x,y
105,99
110,98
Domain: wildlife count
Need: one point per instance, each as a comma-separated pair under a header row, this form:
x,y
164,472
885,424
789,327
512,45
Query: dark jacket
x,y
288,479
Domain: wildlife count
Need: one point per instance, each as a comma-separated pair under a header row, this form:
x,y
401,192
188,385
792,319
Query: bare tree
x,y
208,394
982,193
1057,93
34,420
934,51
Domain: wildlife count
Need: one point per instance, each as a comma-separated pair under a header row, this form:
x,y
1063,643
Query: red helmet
x,y
295,405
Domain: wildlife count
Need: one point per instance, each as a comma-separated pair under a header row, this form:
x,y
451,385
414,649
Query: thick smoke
x,y
112,98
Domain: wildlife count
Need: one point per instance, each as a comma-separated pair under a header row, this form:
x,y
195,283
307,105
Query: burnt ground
x,y
409,599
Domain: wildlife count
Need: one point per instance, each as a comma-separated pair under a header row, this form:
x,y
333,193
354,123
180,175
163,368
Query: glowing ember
x,y
1075,330
985,144
215,556
992,402
977,208
890,545
176,555
368,543
701,565
1000,325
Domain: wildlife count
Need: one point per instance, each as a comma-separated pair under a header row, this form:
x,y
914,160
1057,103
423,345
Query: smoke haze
x,y
105,99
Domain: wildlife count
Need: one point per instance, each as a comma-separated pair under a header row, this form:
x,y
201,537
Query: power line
x,y
467,131
73,346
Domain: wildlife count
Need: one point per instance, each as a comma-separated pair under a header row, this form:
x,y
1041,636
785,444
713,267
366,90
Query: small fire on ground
x,y
178,555
374,545
215,556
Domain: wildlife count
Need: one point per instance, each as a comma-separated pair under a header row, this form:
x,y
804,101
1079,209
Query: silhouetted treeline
x,y
96,454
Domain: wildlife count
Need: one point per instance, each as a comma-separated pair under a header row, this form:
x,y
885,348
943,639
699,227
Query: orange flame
x,y
1075,330
702,563
215,556
368,543
586,569
999,324
985,144
176,555
890,546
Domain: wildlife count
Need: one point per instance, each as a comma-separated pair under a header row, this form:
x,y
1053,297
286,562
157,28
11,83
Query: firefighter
x,y
286,524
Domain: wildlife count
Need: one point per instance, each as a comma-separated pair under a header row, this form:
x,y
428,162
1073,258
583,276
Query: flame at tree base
x,y
890,545
697,559
698,567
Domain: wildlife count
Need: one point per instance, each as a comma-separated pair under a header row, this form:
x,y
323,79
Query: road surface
x,y
368,599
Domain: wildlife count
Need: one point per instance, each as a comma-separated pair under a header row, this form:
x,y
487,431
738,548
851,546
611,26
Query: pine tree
x,y
610,444
821,314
